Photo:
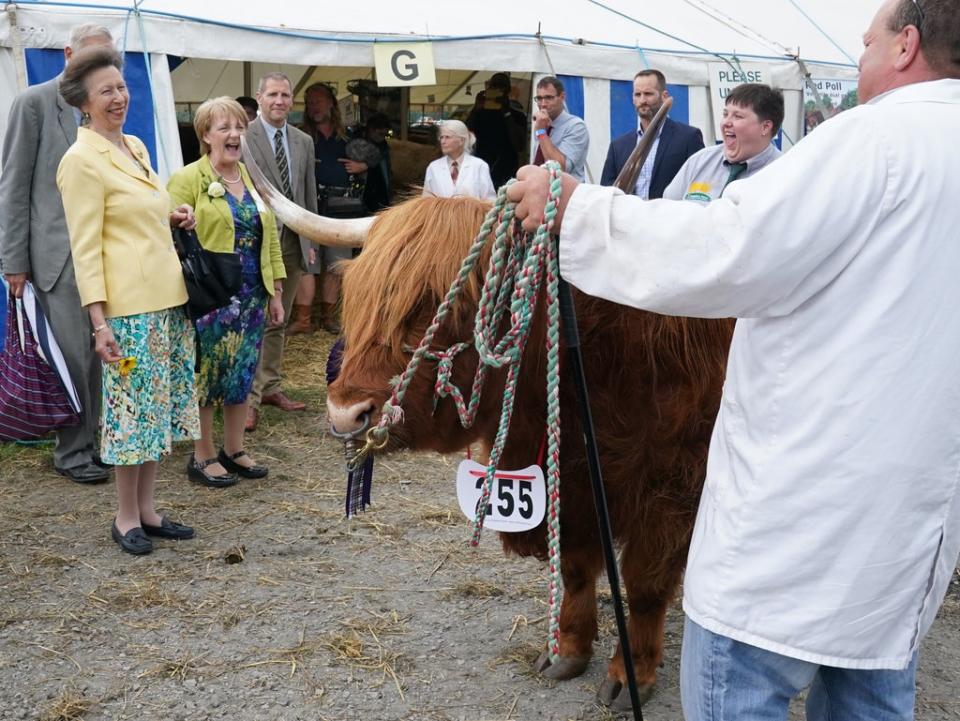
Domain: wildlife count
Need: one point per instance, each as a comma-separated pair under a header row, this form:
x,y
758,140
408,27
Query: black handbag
x,y
338,202
212,279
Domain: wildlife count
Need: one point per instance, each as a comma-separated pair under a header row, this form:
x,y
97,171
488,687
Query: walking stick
x,y
630,171
568,319
568,314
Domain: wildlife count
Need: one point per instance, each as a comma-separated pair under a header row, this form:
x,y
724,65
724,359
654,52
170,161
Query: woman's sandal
x,y
197,472
229,462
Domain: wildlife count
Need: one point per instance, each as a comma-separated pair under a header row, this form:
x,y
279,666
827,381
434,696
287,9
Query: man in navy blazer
x,y
676,143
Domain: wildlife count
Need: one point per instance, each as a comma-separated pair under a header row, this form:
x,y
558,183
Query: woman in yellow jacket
x,y
129,278
230,218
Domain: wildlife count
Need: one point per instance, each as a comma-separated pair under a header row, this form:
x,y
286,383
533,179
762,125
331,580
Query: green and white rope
x,y
519,264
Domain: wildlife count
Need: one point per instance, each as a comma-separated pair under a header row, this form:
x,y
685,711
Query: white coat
x,y
829,526
473,178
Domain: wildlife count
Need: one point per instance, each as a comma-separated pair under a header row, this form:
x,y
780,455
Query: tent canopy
x,y
518,36
599,41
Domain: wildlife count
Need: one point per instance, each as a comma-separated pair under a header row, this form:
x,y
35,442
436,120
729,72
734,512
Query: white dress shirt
x,y
829,526
272,134
642,187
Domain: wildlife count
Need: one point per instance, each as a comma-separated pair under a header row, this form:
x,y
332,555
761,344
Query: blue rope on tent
x,y
822,31
643,57
648,26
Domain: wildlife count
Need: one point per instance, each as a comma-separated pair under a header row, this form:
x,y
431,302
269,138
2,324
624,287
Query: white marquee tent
x,y
596,43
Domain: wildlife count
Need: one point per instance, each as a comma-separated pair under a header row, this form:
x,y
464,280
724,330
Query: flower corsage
x,y
216,190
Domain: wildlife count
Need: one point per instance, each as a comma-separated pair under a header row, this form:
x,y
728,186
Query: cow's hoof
x,y
614,694
564,668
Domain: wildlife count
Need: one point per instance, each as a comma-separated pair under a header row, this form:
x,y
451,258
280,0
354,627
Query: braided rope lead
x,y
519,263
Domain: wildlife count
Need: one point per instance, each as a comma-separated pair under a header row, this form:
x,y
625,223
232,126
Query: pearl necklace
x,y
227,180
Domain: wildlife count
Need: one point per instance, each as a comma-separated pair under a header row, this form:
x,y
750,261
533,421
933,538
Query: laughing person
x,y
752,116
230,218
129,278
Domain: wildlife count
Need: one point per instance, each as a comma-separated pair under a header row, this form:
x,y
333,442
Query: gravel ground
x,y
281,609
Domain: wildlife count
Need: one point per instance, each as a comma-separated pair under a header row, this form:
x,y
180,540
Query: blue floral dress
x,y
230,337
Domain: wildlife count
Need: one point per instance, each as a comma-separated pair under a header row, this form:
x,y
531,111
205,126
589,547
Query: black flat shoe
x,y
196,471
168,529
229,462
133,541
85,473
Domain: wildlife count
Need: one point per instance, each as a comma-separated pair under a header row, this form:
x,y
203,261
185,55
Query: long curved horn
x,y
631,169
345,232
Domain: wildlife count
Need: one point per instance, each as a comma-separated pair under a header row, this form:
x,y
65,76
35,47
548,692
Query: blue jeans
x,y
726,680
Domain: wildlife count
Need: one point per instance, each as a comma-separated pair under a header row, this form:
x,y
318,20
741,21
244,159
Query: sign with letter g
x,y
401,64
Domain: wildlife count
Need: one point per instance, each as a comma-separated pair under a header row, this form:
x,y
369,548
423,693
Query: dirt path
x,y
280,609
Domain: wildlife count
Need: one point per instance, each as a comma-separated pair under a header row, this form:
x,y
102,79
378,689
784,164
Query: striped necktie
x,y
282,164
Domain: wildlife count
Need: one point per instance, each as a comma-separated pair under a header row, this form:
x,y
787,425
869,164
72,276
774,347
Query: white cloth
x,y
829,526
473,179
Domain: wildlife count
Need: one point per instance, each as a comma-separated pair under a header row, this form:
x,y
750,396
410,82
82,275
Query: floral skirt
x,y
149,401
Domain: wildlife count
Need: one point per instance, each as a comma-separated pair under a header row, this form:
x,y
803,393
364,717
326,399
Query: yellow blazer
x,y
215,226
119,223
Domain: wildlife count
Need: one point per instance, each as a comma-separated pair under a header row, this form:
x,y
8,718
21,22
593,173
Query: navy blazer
x,y
678,142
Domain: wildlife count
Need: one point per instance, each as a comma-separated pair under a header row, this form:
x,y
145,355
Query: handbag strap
x,y
13,331
186,241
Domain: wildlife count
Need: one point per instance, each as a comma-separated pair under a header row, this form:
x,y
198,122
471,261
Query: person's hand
x,y
353,166
16,281
541,121
530,193
105,345
275,309
183,217
312,255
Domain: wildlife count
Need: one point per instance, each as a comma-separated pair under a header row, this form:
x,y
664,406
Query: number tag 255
x,y
518,499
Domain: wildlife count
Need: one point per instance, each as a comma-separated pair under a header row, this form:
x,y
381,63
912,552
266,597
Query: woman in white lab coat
x,y
458,172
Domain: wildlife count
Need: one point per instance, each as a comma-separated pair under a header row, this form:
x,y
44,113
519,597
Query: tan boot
x,y
300,320
328,318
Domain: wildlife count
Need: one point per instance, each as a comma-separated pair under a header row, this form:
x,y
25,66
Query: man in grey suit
x,y
286,156
35,246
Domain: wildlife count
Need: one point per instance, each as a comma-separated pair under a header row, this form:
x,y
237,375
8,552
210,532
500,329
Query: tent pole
x,y
18,47
247,79
307,77
404,113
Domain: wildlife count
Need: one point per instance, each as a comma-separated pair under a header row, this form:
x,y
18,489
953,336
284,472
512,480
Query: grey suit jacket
x,y
33,230
301,161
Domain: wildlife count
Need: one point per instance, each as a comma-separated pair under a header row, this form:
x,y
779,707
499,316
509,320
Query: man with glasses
x,y
560,136
829,526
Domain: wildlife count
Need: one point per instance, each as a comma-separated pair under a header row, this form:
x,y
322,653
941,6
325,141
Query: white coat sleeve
x,y
486,191
429,181
772,242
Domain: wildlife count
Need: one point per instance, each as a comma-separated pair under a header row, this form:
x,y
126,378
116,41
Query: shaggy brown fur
x,y
655,388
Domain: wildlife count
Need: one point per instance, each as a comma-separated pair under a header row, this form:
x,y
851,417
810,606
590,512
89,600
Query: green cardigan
x,y
215,221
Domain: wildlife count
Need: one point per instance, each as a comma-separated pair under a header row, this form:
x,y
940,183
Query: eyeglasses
x,y
542,98
919,24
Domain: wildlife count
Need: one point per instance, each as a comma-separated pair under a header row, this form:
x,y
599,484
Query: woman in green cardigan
x,y
230,217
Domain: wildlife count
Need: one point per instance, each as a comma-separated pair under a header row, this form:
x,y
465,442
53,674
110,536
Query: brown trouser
x,y
269,376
